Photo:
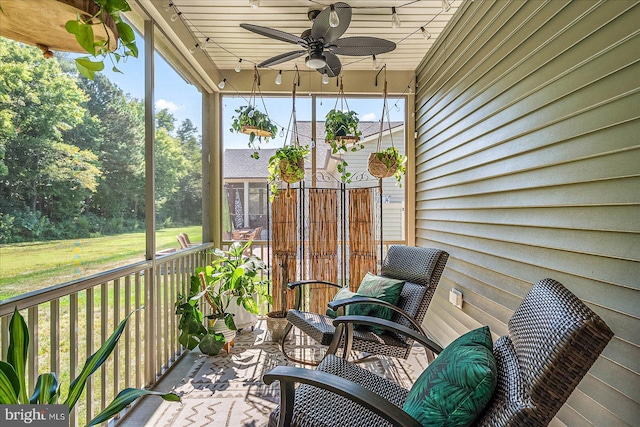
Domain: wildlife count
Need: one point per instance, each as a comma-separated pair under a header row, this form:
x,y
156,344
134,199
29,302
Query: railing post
x,y
149,327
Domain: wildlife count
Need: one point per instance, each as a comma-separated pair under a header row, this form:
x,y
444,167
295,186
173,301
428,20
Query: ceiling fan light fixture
x,y
334,20
315,60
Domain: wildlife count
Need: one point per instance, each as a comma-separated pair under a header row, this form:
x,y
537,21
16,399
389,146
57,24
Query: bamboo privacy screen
x,y
323,245
285,245
341,238
362,239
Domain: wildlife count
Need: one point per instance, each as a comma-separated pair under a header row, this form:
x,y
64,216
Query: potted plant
x,y
287,164
342,134
386,163
82,28
193,332
13,385
255,123
232,281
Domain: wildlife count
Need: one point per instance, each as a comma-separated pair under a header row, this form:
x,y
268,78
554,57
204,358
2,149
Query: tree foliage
x,y
72,154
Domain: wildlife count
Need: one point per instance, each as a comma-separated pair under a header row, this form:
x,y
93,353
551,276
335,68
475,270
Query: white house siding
x,y
527,166
393,194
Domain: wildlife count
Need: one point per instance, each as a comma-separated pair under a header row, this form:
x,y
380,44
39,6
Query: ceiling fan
x,y
322,42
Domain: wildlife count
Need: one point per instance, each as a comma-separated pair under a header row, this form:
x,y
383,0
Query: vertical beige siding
x,y
528,166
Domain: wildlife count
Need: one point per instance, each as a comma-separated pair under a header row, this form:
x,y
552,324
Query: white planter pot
x,y
221,327
242,318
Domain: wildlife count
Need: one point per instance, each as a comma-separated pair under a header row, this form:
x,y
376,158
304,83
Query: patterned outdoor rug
x,y
227,390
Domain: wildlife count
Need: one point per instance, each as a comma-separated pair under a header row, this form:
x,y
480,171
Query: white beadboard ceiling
x,y
219,20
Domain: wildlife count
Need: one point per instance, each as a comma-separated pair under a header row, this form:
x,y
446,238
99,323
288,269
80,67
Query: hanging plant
x,y
287,163
387,162
253,122
341,132
121,48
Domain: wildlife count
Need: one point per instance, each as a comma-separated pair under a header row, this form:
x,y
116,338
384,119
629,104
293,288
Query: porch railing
x,y
68,322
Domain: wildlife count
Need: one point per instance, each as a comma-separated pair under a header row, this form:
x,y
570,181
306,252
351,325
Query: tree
x,y
40,169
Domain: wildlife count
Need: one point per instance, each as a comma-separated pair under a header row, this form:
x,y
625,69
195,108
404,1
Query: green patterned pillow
x,y
382,288
354,309
455,388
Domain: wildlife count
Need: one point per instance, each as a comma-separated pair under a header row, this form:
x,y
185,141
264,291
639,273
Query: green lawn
x,y
25,267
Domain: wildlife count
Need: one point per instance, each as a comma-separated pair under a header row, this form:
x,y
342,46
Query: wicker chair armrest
x,y
334,305
289,376
294,285
349,321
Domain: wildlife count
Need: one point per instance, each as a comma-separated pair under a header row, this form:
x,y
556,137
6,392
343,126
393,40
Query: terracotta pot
x,y
276,325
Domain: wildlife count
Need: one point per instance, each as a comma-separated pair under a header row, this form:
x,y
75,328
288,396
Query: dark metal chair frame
x,y
420,268
554,338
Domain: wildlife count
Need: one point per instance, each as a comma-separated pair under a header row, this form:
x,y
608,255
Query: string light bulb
x,y
446,5
222,84
193,49
169,6
426,34
395,21
251,113
279,78
409,89
239,65
374,64
254,3
334,20
325,78
175,16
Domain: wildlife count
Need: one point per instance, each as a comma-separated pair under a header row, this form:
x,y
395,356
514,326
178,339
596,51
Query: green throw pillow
x,y
382,288
343,293
455,388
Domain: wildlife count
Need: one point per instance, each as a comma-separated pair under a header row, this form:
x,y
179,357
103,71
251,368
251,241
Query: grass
x,y
26,267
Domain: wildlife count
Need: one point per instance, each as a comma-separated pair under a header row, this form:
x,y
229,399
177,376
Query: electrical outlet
x,y
455,298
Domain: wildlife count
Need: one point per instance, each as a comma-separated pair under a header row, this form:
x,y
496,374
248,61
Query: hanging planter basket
x,y
291,174
248,130
42,23
381,165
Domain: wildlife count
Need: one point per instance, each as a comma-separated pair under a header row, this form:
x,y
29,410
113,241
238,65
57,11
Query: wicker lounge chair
x,y
553,340
420,268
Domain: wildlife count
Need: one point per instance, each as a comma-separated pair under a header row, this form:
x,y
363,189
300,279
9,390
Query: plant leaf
x,y
17,354
9,384
87,68
94,362
47,389
124,398
125,33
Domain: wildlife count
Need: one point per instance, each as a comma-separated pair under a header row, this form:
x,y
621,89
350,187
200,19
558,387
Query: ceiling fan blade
x,y
361,46
274,34
333,66
283,57
321,28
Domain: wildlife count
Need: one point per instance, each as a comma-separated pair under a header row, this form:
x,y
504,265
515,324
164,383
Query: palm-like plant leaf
x,y
17,354
94,362
9,385
47,389
124,398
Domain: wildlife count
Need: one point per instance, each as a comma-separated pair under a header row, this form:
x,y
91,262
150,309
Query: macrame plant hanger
x,y
377,165
348,139
255,91
293,126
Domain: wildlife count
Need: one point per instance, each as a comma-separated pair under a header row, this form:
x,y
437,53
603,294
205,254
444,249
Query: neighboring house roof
x,y
368,129
239,164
